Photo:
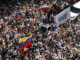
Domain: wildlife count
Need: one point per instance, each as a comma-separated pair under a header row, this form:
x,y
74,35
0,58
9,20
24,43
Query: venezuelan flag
x,y
25,42
45,8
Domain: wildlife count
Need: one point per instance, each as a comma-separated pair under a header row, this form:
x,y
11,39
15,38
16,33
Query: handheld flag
x,y
45,8
25,42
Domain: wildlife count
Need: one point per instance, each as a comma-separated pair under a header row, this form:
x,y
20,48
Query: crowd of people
x,y
18,19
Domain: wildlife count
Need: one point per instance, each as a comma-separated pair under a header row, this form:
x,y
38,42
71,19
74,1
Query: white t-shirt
x,y
15,52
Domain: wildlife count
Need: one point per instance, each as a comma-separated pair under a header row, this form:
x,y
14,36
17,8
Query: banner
x,y
62,17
